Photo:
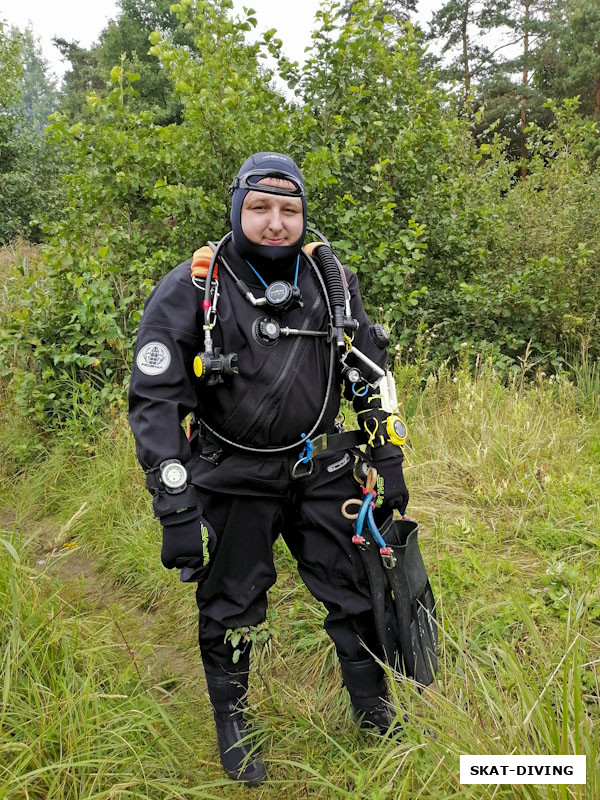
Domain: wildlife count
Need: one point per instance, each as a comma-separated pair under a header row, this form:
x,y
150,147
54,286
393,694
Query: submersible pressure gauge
x,y
282,296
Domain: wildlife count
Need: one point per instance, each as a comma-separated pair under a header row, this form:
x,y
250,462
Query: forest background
x,y
465,194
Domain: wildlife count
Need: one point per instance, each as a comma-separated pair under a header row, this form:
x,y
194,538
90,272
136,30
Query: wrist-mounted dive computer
x,y
173,476
396,430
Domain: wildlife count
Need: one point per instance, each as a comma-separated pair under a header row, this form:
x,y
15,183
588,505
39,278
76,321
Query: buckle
x,y
388,557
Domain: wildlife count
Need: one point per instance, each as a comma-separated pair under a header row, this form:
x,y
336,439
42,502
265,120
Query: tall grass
x,y
75,720
505,483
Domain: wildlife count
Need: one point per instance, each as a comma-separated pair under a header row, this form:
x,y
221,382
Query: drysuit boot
x,y
228,696
365,682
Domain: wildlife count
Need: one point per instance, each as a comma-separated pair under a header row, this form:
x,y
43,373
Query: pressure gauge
x,y
282,296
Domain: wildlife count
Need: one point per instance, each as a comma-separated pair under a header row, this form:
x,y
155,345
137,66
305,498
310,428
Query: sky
x,y
77,20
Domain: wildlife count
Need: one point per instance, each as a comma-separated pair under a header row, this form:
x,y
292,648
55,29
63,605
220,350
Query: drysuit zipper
x,y
271,395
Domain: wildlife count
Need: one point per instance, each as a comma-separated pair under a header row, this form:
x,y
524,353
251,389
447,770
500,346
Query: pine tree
x,y
28,168
459,25
39,92
569,58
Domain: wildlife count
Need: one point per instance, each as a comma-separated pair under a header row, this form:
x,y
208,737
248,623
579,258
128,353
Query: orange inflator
x,y
201,262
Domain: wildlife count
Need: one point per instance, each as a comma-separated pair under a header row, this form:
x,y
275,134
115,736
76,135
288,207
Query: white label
x,y
275,156
153,358
522,769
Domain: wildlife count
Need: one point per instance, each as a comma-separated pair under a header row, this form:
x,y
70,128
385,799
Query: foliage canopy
x,y
451,250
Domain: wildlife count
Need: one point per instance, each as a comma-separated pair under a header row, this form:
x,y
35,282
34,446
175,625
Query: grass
x,y
75,718
505,483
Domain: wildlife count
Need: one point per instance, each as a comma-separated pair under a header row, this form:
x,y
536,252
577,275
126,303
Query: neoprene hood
x,y
258,166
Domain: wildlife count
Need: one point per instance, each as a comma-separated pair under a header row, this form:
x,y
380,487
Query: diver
x,y
258,338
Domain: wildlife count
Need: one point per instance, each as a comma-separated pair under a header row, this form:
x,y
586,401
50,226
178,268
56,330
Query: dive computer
x,y
173,476
396,430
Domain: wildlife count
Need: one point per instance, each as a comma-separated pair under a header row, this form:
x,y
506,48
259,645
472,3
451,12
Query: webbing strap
x,y
377,585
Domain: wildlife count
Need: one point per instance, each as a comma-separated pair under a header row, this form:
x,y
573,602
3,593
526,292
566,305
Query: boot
x,y
228,697
365,682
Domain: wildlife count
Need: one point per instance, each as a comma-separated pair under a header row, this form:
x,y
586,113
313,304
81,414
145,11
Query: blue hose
x,y
366,512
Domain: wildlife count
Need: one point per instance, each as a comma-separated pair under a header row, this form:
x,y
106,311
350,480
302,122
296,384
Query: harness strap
x,y
333,442
325,442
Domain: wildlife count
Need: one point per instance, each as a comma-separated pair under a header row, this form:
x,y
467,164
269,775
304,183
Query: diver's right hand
x,y
188,540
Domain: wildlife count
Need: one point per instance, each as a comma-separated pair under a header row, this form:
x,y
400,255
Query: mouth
x,y
274,242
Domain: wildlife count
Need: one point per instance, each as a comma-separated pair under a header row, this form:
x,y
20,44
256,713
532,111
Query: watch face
x,y
399,428
174,476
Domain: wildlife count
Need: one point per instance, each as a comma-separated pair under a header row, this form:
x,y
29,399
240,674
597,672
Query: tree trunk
x,y
523,95
465,47
597,91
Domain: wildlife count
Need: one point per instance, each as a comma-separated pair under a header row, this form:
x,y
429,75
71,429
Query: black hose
x,y
334,282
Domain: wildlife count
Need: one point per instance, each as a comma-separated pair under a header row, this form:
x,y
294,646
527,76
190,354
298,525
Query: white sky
x,y
78,20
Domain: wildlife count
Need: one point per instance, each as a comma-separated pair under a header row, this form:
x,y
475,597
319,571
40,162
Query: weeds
x,y
504,481
75,721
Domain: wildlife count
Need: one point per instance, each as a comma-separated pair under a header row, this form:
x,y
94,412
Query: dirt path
x,y
167,663
144,635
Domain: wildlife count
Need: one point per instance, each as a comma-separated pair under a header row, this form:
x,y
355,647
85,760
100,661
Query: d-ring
x,y
308,472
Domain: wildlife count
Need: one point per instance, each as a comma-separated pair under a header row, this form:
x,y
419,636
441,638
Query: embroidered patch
x,y
339,464
153,358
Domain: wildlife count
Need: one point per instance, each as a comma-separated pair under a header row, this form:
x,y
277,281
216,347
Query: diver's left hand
x,y
388,462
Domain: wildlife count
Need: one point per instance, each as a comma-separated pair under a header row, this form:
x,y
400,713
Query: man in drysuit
x,y
256,363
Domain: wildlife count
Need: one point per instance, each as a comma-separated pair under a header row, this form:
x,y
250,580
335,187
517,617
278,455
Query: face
x,y
272,219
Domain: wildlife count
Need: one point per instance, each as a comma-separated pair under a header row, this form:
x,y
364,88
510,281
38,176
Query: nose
x,y
275,220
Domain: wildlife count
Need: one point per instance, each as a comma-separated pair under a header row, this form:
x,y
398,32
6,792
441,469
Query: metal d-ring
x,y
308,472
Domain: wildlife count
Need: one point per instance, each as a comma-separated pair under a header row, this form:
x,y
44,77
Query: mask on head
x,y
258,166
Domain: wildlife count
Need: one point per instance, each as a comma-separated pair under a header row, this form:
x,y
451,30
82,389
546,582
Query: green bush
x,y
459,258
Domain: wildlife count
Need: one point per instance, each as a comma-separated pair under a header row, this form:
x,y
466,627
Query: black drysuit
x,y
249,499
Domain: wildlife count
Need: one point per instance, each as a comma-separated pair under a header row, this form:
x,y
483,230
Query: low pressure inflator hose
x,y
332,276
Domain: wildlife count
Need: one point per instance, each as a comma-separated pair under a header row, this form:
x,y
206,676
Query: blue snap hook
x,y
306,454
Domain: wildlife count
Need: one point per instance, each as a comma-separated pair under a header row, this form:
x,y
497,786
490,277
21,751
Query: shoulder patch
x,y
153,358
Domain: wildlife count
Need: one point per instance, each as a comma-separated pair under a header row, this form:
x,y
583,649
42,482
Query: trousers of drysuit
x,y
258,501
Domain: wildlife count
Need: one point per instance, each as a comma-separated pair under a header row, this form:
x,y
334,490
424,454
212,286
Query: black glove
x,y
188,541
372,419
388,463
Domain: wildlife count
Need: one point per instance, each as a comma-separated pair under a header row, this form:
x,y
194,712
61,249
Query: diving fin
x,y
413,600
377,584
